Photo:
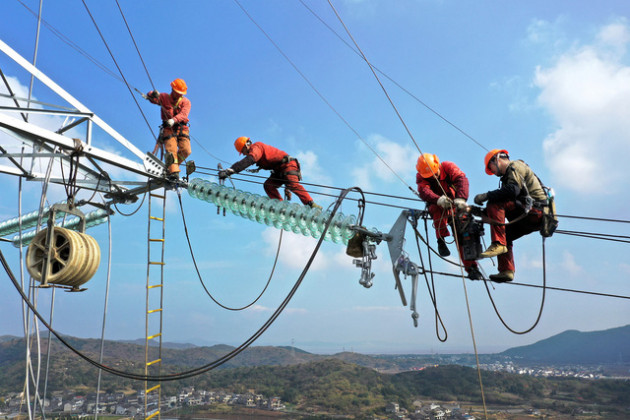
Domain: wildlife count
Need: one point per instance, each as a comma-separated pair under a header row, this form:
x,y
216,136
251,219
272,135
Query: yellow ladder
x,y
155,298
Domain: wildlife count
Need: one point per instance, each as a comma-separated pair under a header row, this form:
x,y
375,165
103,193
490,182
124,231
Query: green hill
x,y
325,384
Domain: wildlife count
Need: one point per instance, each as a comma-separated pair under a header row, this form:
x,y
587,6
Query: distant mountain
x,y
574,347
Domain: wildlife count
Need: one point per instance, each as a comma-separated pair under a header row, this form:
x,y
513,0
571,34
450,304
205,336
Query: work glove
x,y
444,202
154,94
170,122
225,173
460,204
481,198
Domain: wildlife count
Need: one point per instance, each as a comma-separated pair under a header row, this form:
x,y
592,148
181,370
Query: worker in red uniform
x,y
444,186
174,133
520,199
284,169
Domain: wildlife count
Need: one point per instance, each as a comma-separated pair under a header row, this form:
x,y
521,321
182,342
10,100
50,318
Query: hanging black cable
x,y
192,255
209,366
542,301
431,289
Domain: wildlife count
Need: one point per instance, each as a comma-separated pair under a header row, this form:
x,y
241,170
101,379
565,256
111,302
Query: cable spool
x,y
73,257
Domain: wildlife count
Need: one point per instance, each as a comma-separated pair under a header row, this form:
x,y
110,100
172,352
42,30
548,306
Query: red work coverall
x,y
502,204
176,139
455,184
271,158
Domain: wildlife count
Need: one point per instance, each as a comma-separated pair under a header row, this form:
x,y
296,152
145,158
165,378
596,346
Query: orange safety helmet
x,y
428,165
239,143
492,153
179,86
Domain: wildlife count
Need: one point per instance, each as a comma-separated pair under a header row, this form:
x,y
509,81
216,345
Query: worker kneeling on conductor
x,y
284,169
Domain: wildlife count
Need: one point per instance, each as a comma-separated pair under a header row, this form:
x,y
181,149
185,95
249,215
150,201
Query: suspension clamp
x,y
365,263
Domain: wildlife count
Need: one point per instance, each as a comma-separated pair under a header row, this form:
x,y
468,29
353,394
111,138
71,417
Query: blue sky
x,y
549,82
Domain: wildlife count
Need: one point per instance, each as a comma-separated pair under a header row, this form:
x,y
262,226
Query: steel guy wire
x,y
135,44
118,67
322,96
394,81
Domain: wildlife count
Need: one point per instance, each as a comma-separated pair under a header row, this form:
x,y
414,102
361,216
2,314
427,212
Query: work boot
x,y
315,206
493,250
442,248
173,176
503,276
474,273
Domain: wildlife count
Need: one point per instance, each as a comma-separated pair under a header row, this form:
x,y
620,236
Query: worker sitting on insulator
x,y
520,199
444,186
284,169
174,131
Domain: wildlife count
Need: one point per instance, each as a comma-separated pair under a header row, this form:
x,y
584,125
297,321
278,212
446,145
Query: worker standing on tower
x,y
174,131
284,169
444,186
520,199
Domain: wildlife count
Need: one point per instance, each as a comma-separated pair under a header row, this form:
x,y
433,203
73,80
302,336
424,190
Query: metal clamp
x,y
369,254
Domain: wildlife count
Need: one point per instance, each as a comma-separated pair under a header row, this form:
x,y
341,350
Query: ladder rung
x,y
156,263
156,218
154,286
157,196
154,310
153,415
153,336
156,240
153,388
152,363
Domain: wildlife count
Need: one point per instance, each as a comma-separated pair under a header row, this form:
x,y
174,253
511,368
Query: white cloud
x,y
399,161
379,309
295,249
616,36
570,265
587,92
311,170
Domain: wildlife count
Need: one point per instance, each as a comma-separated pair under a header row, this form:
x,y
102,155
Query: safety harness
x,y
279,174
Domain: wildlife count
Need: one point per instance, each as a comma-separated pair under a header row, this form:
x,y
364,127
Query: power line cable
x,y
597,219
591,235
394,81
118,67
402,121
135,44
70,43
322,96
